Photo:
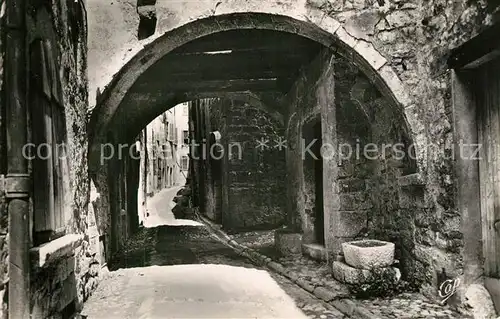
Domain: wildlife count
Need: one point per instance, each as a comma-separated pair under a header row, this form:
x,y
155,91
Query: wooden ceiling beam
x,y
245,40
225,75
266,59
235,85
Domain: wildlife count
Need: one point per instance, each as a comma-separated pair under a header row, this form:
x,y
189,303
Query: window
x,y
49,135
171,132
185,137
185,110
184,163
166,151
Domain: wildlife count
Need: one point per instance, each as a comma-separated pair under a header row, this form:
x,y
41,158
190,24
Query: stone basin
x,y
368,254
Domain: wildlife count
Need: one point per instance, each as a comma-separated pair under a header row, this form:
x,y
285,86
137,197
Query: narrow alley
x,y
181,270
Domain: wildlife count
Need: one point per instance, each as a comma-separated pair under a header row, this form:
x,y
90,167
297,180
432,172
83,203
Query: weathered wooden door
x,y
487,98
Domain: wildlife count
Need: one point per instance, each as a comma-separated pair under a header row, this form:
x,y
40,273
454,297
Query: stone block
x,y
293,276
367,254
350,275
346,37
373,57
396,86
287,242
363,24
479,301
324,294
315,251
304,284
56,249
344,305
493,287
330,24
346,274
277,267
400,18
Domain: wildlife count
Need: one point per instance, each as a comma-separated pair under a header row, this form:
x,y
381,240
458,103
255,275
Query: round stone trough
x,y
368,254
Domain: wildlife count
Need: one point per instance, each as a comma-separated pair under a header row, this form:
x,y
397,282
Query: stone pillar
x,y
295,174
289,240
325,96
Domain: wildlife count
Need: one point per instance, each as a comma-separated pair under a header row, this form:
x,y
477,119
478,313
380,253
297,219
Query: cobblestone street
x,y
181,245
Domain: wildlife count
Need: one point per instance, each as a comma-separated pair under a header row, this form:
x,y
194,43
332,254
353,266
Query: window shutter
x,y
41,114
49,130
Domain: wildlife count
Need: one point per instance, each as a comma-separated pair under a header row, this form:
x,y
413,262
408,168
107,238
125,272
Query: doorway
x,y
488,119
476,109
319,220
313,178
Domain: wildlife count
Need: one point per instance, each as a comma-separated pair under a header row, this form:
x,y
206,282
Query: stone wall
x,y
255,176
416,37
256,179
4,217
63,284
372,201
354,133
369,134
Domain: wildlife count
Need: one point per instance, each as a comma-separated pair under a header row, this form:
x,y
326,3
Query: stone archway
x,y
304,21
115,102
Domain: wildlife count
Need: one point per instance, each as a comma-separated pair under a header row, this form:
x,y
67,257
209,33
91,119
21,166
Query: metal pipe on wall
x,y
18,181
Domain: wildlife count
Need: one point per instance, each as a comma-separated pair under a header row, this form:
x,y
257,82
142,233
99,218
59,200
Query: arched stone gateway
x,y
194,20
128,103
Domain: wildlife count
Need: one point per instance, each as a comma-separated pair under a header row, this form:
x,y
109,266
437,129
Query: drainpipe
x,y
17,182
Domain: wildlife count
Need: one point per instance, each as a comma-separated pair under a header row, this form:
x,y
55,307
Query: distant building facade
x,y
163,152
182,123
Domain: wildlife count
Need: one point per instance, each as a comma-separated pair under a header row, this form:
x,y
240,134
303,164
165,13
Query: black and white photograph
x,y
249,159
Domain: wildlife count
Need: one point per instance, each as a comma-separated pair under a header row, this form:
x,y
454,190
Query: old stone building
x,y
49,264
420,74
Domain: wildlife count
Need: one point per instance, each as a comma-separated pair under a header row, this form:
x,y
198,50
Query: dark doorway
x,y
319,220
313,178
